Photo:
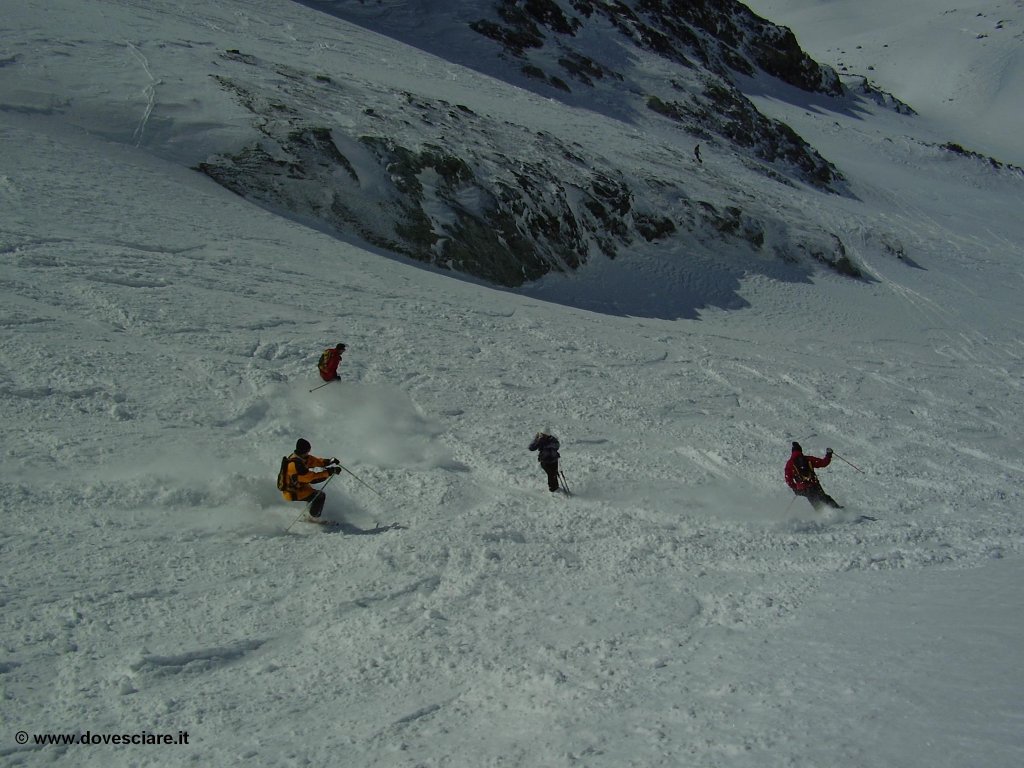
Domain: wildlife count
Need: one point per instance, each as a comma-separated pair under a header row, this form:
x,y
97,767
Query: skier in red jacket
x,y
801,478
329,362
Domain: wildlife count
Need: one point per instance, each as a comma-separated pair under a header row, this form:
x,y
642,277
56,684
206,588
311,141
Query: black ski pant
x,y
316,503
818,498
552,472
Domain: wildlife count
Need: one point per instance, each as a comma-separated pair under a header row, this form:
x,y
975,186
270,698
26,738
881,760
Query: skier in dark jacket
x,y
801,478
547,447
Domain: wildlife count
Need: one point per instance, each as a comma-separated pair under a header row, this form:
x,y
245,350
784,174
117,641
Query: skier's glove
x,y
334,470
828,451
332,460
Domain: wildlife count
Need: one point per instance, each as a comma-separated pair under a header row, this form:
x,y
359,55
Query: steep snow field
x,y
159,338
960,65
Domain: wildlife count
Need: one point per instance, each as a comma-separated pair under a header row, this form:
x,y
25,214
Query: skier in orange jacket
x,y
297,473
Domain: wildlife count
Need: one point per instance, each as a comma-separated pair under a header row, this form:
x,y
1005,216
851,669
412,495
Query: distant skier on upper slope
x,y
800,476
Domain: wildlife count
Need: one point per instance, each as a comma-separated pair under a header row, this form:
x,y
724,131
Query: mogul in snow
x,y
297,473
547,447
801,478
329,362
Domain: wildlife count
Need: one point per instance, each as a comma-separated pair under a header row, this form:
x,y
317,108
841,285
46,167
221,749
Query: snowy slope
x,y
960,65
157,342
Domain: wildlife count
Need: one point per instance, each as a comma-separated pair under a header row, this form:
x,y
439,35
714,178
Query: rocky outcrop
x,y
498,204
712,42
441,184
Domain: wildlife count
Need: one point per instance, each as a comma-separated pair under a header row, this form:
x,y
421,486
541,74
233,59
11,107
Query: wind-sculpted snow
x,y
158,343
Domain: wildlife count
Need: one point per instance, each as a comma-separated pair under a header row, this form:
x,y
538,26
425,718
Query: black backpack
x,y
804,470
284,483
548,449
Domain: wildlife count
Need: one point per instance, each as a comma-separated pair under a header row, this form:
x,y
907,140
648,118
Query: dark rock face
x,y
510,209
715,40
721,35
441,184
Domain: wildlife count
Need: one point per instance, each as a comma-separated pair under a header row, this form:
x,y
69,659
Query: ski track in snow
x,y
158,340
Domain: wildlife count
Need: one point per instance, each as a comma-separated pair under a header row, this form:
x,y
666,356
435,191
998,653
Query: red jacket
x,y
800,474
328,365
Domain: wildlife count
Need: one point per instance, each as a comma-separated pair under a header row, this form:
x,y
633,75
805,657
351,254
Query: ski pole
x,y
314,389
311,498
359,480
293,522
850,463
565,485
